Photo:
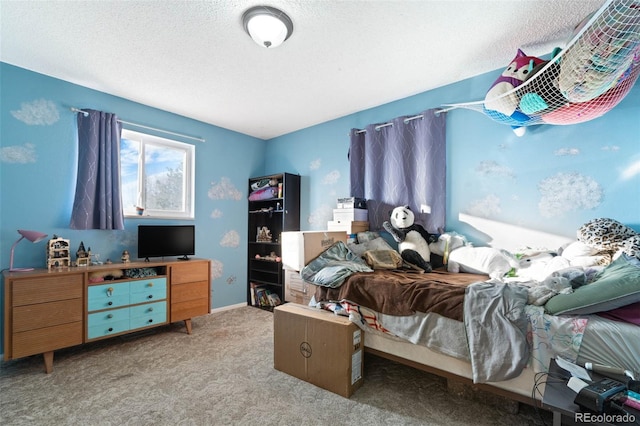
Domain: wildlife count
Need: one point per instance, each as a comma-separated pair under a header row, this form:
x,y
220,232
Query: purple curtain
x,y
402,163
98,201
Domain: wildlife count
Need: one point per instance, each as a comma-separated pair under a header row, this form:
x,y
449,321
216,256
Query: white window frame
x,y
188,177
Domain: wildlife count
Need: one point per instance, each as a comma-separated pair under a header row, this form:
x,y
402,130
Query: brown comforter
x,y
402,293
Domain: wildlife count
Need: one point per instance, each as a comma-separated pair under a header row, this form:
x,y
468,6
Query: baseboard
x,y
228,308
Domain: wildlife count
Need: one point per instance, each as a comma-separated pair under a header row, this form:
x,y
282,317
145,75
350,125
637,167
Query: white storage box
x,y
346,215
301,247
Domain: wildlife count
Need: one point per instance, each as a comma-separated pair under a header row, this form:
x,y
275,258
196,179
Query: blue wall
x,y
553,179
38,149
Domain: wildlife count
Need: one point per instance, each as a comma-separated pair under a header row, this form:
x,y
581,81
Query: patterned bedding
x,y
486,322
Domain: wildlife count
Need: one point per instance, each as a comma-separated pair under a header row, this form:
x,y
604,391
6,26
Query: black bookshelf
x,y
278,212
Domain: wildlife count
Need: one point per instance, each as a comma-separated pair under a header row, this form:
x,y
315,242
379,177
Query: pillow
x,y
481,260
616,286
383,259
578,249
375,244
365,236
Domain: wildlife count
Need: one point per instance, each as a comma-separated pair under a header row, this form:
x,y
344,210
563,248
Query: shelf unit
x,y
278,214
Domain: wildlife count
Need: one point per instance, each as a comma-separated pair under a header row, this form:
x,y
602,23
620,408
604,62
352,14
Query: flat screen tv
x,y
166,241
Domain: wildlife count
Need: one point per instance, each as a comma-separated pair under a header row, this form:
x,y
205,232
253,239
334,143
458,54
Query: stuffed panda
x,y
413,240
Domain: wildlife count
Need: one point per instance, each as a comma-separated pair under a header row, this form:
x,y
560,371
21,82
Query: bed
x,y
471,328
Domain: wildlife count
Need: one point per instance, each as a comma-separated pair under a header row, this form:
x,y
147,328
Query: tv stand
x,y
185,257
46,310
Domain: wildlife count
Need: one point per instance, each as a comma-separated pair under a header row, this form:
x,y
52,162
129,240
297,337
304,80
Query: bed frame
x,y
454,370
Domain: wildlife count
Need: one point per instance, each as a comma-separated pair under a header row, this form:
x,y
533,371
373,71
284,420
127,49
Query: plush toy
x,y
461,256
513,76
543,96
605,234
413,240
540,292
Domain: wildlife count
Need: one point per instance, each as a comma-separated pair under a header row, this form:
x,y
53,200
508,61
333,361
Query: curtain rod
x,y
390,123
85,113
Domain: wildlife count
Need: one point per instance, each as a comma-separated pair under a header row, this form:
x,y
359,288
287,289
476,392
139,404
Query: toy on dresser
x,y
58,254
83,256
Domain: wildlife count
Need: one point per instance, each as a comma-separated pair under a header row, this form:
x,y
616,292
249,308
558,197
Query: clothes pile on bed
x,y
506,312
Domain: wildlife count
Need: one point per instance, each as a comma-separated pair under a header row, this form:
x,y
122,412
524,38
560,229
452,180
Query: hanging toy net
x,y
583,81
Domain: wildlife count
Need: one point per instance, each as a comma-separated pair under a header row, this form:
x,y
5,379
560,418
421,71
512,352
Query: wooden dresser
x,y
48,310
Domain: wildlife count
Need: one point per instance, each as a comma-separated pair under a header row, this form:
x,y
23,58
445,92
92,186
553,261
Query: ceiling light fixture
x,y
267,26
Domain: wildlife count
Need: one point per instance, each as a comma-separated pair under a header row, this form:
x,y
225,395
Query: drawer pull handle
x,y
110,329
150,296
151,320
110,316
109,303
110,291
150,285
150,309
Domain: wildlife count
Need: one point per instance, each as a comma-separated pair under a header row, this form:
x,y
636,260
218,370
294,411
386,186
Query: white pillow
x,y
580,254
578,249
481,260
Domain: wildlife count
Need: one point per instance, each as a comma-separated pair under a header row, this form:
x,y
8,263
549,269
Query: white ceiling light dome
x,y
267,26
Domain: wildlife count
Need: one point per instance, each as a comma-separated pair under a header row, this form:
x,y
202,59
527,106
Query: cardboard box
x,y
319,347
349,227
297,290
345,215
301,247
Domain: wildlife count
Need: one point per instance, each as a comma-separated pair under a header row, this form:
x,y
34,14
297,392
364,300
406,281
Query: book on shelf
x,y
262,296
274,299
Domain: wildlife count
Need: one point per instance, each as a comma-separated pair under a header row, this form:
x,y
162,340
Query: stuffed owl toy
x,y
413,240
513,76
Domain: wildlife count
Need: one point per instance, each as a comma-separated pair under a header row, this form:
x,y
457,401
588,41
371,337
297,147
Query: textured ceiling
x,y
193,57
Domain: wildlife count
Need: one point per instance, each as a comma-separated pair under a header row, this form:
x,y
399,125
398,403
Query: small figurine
x,y
125,256
83,256
264,235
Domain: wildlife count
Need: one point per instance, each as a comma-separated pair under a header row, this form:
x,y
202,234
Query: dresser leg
x,y
48,361
187,323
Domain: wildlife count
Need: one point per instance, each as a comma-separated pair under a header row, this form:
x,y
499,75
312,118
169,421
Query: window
x,y
157,175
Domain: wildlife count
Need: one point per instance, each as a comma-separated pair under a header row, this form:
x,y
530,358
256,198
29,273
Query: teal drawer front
x,y
143,286
107,329
149,292
106,296
148,309
108,317
153,318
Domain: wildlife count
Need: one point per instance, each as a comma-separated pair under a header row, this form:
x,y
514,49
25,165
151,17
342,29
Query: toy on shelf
x,y
58,254
264,235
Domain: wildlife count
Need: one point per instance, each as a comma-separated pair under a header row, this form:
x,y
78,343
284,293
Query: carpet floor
x,y
222,374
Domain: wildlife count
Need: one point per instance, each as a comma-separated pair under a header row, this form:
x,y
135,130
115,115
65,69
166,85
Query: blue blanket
x,y
333,266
